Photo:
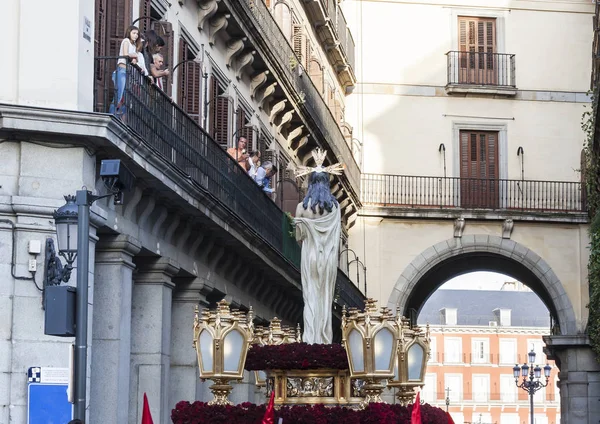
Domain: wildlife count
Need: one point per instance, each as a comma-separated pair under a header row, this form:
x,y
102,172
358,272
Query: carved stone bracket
x,y
507,228
234,46
277,108
258,81
302,142
217,23
285,119
295,133
265,96
459,226
244,59
206,9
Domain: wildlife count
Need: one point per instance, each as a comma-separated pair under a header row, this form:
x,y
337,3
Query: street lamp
x,y
73,235
533,384
65,219
447,398
371,342
221,339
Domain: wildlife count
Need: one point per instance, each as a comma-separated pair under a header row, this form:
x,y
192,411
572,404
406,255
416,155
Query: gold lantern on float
x,y
413,353
221,339
371,342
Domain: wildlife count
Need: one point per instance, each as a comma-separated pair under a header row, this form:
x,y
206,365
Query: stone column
x,y
151,338
579,378
184,364
111,336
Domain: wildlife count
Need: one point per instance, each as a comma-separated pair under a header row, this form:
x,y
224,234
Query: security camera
x,y
117,178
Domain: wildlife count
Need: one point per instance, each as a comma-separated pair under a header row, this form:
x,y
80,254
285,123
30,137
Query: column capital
x,y
189,291
152,270
117,248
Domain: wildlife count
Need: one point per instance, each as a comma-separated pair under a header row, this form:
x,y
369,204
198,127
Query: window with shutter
x,y
479,169
299,43
145,13
243,119
316,74
112,17
477,45
219,113
189,90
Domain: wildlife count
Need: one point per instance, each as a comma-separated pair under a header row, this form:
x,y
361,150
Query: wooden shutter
x,y
118,19
242,119
477,44
189,84
165,30
219,113
479,169
145,13
299,42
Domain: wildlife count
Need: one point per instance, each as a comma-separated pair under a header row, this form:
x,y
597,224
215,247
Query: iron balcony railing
x,y
308,96
480,68
471,193
178,138
161,123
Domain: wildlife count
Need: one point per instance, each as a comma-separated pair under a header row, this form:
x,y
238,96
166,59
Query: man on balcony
x,y
239,153
263,176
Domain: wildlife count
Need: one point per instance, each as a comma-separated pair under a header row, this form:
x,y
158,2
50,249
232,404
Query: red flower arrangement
x,y
296,356
248,413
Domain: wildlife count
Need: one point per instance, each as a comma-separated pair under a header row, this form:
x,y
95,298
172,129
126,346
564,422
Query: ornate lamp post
x,y
371,342
413,352
447,398
221,340
533,384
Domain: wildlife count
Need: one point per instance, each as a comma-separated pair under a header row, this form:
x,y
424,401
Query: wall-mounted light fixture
x,y
440,149
521,154
65,218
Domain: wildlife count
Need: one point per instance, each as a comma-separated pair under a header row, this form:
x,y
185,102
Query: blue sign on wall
x,y
48,404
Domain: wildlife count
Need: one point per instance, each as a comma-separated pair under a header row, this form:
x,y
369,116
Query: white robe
x,y
320,248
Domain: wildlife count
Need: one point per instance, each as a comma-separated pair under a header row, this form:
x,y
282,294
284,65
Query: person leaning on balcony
x,y
129,50
263,176
141,60
239,153
156,70
154,45
253,163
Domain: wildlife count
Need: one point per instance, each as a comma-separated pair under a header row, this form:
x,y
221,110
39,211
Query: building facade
x,y
195,229
472,155
474,349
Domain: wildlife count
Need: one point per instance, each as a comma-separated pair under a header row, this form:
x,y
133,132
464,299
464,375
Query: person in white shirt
x,y
253,163
128,49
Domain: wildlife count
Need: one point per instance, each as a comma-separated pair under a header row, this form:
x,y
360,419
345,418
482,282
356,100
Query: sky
x,y
480,280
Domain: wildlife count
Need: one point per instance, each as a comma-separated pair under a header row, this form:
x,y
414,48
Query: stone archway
x,y
457,256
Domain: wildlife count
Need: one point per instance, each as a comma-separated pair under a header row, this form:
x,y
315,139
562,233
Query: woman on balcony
x,y
128,49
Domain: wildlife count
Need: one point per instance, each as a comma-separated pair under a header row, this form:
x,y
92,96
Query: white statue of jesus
x,y
318,225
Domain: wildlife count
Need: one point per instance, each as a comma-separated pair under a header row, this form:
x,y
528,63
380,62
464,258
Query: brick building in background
x,y
477,337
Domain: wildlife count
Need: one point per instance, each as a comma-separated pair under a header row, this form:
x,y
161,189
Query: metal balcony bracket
x,y
206,9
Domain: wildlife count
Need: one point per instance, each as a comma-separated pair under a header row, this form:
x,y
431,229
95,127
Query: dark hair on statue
x,y
319,193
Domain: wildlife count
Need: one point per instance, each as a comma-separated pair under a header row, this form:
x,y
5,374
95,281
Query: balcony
x,y
446,197
481,73
277,51
333,32
178,139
